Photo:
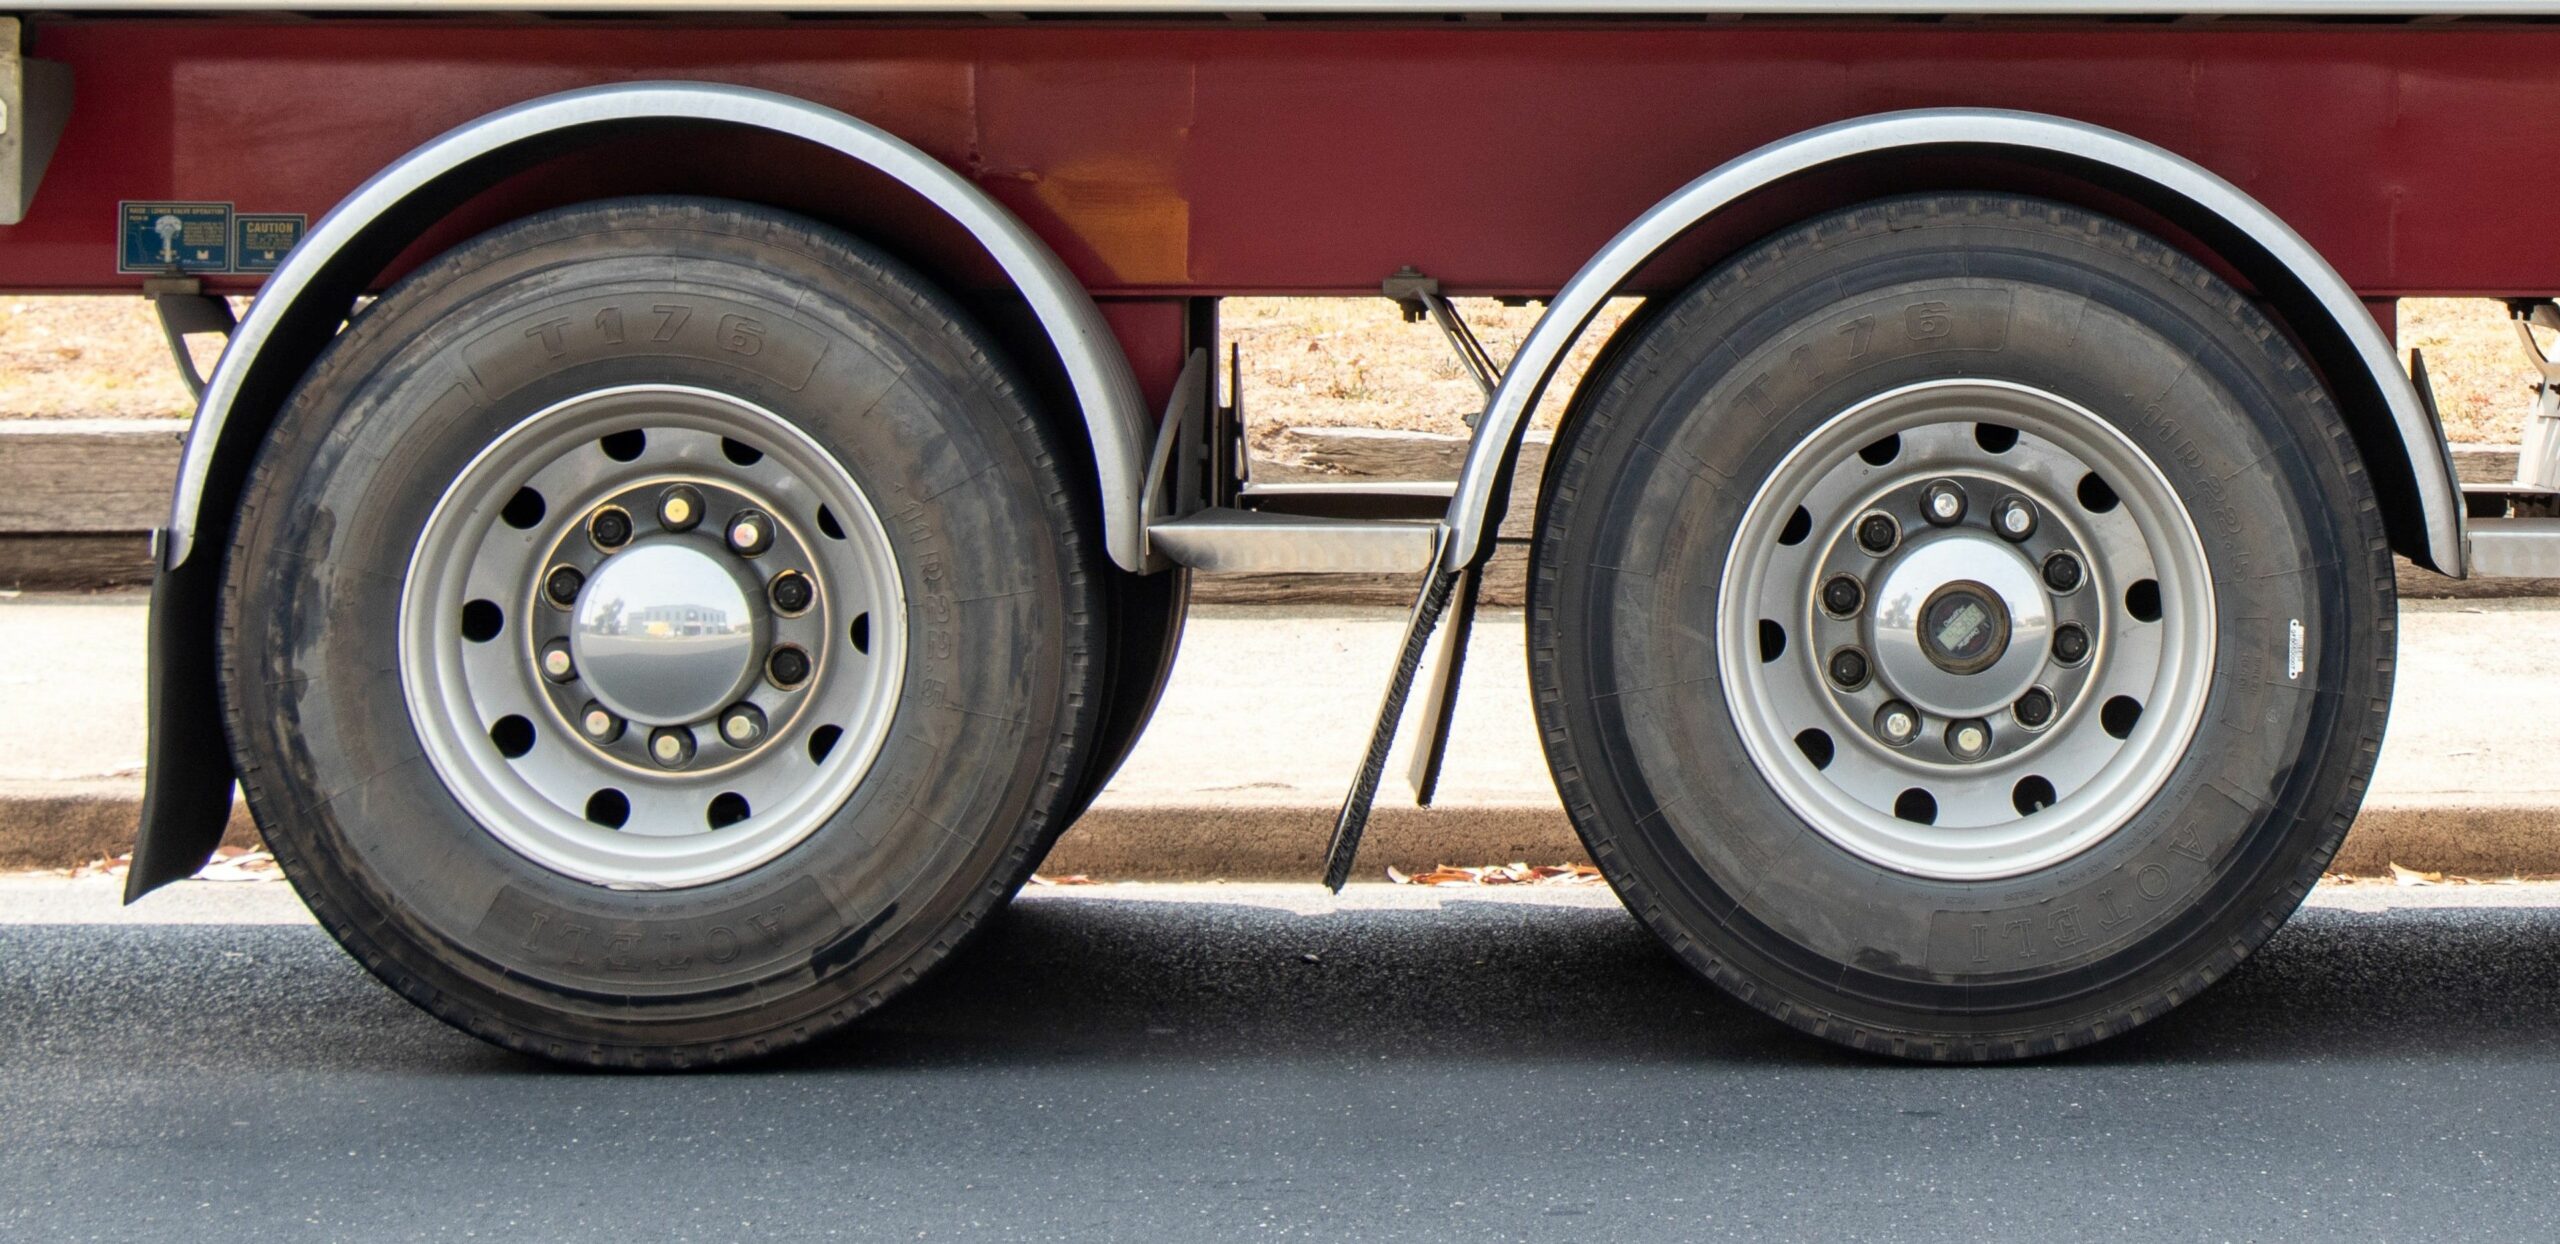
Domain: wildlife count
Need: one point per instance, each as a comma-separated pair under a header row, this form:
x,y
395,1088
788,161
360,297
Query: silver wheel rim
x,y
709,759
1959,627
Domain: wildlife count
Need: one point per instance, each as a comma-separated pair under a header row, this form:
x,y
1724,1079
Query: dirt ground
x,y
1307,362
1352,362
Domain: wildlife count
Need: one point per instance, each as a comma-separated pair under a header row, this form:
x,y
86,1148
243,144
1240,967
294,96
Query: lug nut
x,y
557,664
2034,709
788,667
562,585
610,528
791,592
1897,723
1878,533
1849,669
2062,572
600,724
1968,739
2015,519
742,725
750,533
671,747
1842,596
2071,644
679,508
1943,501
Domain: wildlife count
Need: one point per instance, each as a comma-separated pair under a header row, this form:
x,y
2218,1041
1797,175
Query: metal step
x,y
2515,548
1264,542
1373,498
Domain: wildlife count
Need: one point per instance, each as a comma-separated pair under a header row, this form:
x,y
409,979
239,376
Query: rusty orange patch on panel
x,y
1137,225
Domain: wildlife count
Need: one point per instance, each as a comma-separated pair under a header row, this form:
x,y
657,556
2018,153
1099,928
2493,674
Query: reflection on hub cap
x,y
664,634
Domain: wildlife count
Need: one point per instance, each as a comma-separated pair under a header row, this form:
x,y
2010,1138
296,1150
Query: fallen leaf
x,y
1502,874
1445,875
2412,877
240,864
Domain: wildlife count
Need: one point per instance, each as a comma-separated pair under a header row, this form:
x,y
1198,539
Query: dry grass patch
x,y
2483,384
1353,362
1308,362
86,358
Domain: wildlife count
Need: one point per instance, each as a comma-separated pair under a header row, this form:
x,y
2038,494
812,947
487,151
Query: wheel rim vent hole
x,y
861,633
482,620
1917,806
2142,600
1997,438
1816,746
525,509
2095,495
727,809
2031,795
625,446
1878,453
828,525
822,741
2119,715
1799,525
513,736
1773,641
740,452
609,808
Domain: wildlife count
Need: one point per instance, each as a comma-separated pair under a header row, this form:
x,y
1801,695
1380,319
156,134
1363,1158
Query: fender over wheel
x,y
1961,626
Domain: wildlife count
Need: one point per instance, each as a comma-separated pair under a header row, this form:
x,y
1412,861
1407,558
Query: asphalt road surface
x,y
1166,1064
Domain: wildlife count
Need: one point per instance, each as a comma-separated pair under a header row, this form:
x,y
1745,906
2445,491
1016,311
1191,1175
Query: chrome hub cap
x,y
1966,629
664,633
1960,624
652,637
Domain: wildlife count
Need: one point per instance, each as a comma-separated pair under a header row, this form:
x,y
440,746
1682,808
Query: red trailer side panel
x,y
1280,157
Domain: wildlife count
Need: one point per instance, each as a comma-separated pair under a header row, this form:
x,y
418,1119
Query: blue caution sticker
x,y
259,240
184,237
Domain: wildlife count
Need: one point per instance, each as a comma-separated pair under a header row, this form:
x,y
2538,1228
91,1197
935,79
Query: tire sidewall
x,y
1660,468
854,352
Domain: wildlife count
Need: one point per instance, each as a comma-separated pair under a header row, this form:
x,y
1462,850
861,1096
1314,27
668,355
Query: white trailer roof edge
x,y
1219,8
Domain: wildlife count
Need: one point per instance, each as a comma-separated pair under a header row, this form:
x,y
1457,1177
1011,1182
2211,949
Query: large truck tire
x,y
660,630
1961,627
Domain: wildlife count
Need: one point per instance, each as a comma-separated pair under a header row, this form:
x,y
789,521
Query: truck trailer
x,y
704,492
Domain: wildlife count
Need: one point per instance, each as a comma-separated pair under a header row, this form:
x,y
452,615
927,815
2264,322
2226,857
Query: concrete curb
x,y
1278,843
62,824
59,825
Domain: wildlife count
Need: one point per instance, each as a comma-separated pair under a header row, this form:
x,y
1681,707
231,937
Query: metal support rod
x,y
2538,454
1420,296
1471,352
185,308
1440,703
1354,817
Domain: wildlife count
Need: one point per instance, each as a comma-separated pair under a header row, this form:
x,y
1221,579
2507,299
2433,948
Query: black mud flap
x,y
187,774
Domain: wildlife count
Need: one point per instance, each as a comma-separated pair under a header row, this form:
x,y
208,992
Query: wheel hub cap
x,y
1964,628
665,633
1960,624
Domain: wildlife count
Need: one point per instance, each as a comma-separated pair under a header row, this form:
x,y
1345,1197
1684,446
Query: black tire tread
x,y
1064,767
1770,263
